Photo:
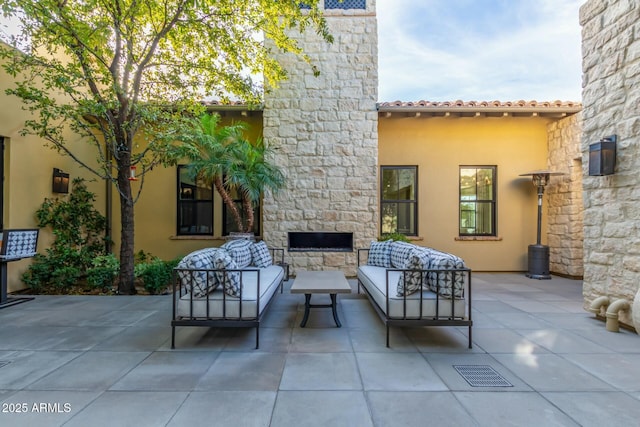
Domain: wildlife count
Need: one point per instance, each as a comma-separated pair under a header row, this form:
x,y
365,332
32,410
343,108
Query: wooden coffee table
x,y
320,282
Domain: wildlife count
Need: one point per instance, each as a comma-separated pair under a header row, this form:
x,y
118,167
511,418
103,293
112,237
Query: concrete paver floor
x,y
106,361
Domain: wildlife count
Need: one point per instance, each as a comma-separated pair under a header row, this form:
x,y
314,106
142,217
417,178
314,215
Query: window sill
x,y
478,239
201,237
195,237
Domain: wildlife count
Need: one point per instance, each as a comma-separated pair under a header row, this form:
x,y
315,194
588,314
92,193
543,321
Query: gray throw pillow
x,y
380,254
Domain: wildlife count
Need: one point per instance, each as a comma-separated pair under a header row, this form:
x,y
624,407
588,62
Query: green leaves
x,y
127,64
223,153
77,228
128,75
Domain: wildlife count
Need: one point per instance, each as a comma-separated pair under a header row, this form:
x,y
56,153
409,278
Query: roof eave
x,y
526,110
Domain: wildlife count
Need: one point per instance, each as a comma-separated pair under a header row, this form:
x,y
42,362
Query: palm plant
x,y
222,156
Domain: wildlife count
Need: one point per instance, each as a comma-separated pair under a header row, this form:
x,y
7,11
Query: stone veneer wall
x,y
564,195
611,101
324,130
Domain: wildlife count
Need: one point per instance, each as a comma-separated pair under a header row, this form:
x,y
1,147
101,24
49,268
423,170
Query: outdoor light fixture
x,y
60,183
602,156
539,253
132,173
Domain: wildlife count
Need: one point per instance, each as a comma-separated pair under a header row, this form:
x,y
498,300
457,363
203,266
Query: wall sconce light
x,y
132,173
60,183
602,156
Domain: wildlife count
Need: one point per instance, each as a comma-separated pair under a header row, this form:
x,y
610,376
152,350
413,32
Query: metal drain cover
x,y
482,376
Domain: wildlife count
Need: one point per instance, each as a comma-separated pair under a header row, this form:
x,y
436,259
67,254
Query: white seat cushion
x,y
375,279
218,305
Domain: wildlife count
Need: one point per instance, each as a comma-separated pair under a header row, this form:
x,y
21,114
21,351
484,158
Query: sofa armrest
x,y
277,254
361,252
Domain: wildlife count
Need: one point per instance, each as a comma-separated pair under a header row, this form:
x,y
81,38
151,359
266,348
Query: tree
x,y
133,72
223,156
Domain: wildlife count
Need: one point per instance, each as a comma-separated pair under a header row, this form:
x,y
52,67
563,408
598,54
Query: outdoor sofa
x,y
410,285
230,286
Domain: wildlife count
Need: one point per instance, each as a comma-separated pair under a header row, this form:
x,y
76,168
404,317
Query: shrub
x,y
141,257
103,272
78,231
38,274
65,277
155,273
396,237
172,264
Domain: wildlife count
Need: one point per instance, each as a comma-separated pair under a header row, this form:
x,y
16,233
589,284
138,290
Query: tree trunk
x,y
226,198
126,285
248,208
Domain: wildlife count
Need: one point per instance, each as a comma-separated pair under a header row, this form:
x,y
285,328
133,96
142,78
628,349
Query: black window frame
x,y
413,202
493,202
180,202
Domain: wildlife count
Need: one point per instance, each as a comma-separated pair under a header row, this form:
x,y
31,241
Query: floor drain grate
x,y
481,376
3,363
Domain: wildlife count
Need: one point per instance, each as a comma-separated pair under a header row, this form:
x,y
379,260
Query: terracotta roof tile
x,y
456,107
499,104
551,109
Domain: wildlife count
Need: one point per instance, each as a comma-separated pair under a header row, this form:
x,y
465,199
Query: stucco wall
x,y
28,170
611,105
565,210
438,146
325,132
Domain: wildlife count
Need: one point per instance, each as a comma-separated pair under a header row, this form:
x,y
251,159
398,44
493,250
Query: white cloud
x,y
470,50
474,50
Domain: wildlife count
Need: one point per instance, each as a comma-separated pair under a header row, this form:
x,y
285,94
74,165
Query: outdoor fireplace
x,y
320,241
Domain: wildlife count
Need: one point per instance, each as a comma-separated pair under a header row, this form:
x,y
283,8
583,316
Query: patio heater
x,y
539,254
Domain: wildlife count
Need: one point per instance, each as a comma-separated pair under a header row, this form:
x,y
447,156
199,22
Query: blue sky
x,y
479,50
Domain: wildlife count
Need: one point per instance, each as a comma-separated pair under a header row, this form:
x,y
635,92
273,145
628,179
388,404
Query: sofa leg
x,y
387,335
257,337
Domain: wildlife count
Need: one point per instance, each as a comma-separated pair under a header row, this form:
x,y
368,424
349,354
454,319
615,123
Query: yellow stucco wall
x,y
28,170
438,146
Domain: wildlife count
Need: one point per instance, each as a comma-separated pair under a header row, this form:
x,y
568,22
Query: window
x,y
195,205
339,4
345,4
477,201
399,211
228,221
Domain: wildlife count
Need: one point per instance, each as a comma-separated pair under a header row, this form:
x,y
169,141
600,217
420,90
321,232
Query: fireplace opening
x,y
319,241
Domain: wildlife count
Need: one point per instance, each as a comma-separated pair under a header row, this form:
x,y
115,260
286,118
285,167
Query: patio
x,y
106,361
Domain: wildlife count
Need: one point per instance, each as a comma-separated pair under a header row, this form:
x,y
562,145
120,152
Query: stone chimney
x,y
325,133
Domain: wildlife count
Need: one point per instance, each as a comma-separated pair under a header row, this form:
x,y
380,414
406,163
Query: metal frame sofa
x,y
410,285
230,286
